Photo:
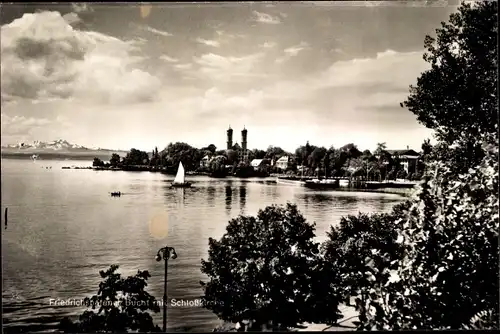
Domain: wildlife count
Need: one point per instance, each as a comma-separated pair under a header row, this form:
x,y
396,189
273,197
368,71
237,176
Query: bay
x,y
64,227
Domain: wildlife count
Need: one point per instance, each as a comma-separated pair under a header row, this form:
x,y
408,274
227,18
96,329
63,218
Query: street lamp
x,y
165,253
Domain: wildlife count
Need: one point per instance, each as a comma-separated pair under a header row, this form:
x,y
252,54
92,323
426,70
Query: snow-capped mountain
x,y
60,148
59,144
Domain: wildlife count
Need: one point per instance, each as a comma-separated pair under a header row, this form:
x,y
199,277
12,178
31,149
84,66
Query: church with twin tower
x,y
243,150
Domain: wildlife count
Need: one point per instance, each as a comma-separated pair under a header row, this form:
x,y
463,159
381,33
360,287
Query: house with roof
x,y
259,163
282,163
408,158
205,161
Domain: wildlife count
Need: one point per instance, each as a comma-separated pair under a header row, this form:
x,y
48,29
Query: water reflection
x,y
321,198
271,192
379,205
229,198
330,199
243,197
182,196
175,195
211,196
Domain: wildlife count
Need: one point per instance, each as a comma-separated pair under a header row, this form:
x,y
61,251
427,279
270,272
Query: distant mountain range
x,y
57,149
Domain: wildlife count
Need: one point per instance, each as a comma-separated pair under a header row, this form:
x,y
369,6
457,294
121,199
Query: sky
x,y
139,76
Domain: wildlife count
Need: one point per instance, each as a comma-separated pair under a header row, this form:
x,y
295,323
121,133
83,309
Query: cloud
x,y
362,94
265,18
292,52
355,100
218,67
215,101
43,57
385,69
208,42
9,123
156,31
227,36
187,66
168,59
267,45
20,128
217,108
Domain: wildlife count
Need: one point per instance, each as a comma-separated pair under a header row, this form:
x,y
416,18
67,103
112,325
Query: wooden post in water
x,y
6,209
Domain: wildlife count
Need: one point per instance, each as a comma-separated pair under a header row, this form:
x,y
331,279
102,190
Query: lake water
x,y
63,227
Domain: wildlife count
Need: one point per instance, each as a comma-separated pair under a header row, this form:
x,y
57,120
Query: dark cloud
x,y
49,59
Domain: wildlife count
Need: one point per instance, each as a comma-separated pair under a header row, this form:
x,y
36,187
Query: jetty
x,y
389,184
77,167
403,187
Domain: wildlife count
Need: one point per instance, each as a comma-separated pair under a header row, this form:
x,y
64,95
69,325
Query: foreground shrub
x,y
266,270
363,251
447,276
450,271
122,305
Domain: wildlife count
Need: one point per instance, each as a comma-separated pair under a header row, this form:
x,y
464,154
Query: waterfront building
x,y
259,163
205,161
282,163
408,158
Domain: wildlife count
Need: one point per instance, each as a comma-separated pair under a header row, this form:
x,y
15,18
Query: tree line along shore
x,y
307,161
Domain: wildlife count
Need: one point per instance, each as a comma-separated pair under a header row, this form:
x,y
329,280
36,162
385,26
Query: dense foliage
x,y
135,158
363,251
457,96
97,162
115,160
122,305
449,269
266,270
345,161
178,152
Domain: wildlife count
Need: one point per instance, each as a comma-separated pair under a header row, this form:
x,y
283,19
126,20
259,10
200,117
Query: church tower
x,y
244,148
229,138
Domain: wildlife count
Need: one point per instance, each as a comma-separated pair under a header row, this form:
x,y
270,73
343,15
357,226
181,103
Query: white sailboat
x,y
180,180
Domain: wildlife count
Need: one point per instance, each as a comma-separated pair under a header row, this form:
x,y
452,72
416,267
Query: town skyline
x,y
234,142
130,76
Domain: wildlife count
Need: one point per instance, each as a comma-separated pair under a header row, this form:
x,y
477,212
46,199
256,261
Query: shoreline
x,y
405,190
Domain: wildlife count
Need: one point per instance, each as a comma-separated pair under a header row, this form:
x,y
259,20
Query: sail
x,y
179,178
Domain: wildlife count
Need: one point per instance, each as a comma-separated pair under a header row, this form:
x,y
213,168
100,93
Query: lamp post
x,y
165,253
